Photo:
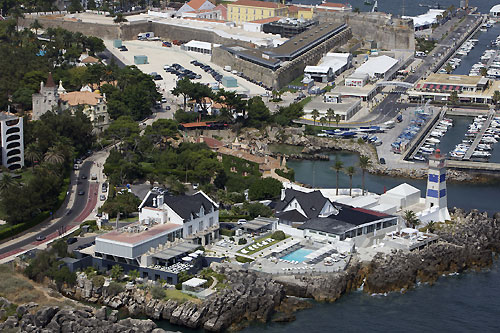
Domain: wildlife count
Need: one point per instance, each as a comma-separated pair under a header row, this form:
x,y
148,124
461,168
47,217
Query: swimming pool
x,y
297,255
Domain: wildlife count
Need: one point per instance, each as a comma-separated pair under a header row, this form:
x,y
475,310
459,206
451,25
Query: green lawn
x,y
179,296
260,248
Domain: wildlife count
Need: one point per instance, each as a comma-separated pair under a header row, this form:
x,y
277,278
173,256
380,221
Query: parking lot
x,y
159,56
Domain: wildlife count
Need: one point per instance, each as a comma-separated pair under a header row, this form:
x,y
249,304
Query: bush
x,y
242,241
265,188
278,235
243,259
158,292
98,281
231,239
115,288
290,175
116,272
226,232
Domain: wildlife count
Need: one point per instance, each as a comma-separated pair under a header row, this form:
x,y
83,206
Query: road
x,y
81,207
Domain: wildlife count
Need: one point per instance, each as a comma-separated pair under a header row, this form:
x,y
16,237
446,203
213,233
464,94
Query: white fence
x,y
289,230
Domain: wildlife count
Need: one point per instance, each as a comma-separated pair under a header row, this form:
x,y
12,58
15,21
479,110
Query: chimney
x,y
160,200
154,202
282,194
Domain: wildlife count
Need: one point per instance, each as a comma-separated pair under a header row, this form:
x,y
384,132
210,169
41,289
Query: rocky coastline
x,y
314,147
250,298
467,244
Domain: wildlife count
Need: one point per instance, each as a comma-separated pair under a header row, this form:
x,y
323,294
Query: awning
x,y
437,86
444,87
431,86
457,88
425,86
418,86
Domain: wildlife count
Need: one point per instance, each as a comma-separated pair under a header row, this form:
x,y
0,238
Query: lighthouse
x,y
436,200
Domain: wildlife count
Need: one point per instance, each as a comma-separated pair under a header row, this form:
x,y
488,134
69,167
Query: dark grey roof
x,y
311,202
185,205
327,224
356,216
292,216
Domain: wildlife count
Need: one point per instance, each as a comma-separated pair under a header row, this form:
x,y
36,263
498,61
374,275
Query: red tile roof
x,y
196,4
255,3
372,212
50,81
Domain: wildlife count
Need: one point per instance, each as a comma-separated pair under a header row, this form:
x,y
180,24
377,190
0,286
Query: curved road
x,y
80,209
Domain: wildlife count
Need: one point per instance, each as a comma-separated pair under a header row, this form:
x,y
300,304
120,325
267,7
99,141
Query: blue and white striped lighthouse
x,y
436,195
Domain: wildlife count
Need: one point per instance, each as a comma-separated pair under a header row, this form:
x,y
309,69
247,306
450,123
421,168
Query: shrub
x,y
231,239
157,292
115,288
242,241
226,232
98,281
116,272
278,235
243,259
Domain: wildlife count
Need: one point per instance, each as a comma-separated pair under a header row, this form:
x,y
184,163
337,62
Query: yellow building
x,y
297,12
252,10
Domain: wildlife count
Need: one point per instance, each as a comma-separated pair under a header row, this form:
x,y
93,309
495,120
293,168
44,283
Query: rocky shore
x,y
469,243
31,318
313,147
250,298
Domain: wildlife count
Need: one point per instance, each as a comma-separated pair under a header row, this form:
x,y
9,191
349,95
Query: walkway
x,y
479,136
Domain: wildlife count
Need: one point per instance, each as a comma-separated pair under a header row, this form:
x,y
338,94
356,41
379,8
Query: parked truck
x,y
145,35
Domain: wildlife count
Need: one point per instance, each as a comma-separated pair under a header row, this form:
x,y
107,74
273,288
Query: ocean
x,y
408,7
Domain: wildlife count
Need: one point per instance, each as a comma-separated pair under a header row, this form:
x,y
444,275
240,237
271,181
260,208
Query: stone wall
x,y
282,76
130,30
386,31
104,31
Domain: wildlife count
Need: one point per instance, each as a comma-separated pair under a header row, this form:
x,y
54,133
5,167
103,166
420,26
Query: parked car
x,y
158,77
102,197
123,48
242,221
167,107
382,160
163,100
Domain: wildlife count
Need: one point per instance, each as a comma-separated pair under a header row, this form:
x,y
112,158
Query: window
x,y
211,221
200,226
190,230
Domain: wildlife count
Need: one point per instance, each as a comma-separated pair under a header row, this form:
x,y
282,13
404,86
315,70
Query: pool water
x,y
297,255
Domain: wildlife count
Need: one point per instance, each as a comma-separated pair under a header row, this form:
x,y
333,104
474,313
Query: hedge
x,y
232,218
227,232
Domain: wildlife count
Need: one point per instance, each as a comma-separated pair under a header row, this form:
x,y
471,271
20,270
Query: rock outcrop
x,y
467,243
249,297
54,319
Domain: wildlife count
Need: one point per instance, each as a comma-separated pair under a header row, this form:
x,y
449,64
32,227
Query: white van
x,y
93,176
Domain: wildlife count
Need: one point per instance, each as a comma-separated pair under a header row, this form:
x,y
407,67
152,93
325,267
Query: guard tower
x,y
436,196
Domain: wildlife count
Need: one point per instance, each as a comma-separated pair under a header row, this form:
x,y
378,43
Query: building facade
x,y
93,106
252,10
45,100
11,132
197,214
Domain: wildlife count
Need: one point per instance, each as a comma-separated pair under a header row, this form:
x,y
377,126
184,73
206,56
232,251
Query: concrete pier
x,y
479,136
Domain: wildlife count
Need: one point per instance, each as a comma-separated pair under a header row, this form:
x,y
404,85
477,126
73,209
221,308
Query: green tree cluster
x,y
122,202
265,188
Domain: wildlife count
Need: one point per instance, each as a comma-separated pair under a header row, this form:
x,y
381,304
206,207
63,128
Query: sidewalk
x,y
91,206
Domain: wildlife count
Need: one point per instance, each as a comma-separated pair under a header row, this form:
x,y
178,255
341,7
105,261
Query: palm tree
x,y
120,18
364,163
431,226
315,115
54,156
36,25
322,120
337,119
330,114
338,166
411,218
32,154
16,13
350,171
6,182
496,98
